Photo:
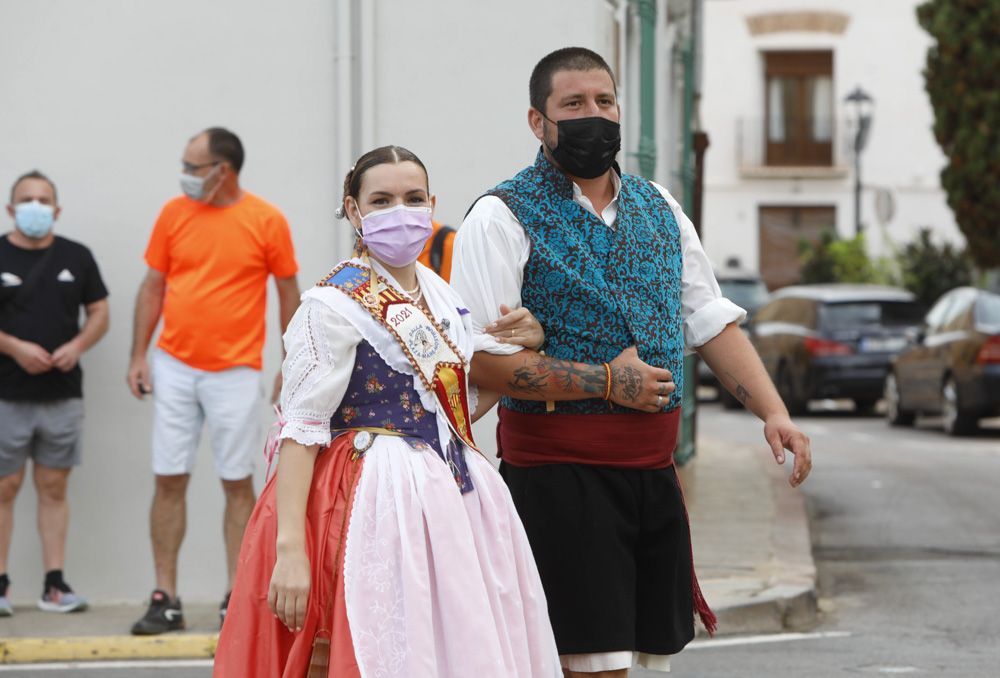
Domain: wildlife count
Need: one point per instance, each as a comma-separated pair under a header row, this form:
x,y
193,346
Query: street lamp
x,y
859,106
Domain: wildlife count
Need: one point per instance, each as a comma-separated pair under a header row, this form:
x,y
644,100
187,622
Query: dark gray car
x,y
833,340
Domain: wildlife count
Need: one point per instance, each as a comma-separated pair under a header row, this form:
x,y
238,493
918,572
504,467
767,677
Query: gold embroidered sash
x,y
437,361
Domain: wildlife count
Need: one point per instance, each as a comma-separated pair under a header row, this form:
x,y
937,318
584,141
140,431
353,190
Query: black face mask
x,y
587,146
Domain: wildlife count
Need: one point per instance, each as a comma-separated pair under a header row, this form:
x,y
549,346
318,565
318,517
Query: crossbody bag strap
x,y
28,284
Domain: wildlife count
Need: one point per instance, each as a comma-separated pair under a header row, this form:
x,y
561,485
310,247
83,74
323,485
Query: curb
x,y
778,595
92,648
783,608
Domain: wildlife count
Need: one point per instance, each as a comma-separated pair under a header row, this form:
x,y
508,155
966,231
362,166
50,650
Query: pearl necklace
x,y
415,294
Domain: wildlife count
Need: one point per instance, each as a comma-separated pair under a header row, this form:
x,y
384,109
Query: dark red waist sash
x,y
637,440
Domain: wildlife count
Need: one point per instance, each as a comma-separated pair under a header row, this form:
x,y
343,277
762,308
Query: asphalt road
x,y
906,536
906,532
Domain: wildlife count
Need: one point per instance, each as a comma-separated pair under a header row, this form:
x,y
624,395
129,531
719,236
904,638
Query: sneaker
x,y
6,609
222,609
60,598
163,615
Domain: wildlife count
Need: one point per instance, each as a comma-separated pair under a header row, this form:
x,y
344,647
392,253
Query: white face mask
x,y
194,186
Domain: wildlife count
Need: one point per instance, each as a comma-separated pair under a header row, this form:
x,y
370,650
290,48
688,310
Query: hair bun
x,y
339,212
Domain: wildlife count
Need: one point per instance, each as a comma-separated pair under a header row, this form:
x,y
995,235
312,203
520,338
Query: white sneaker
x,y
57,600
6,610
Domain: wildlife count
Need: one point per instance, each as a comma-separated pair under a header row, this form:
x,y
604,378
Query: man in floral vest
x,y
614,270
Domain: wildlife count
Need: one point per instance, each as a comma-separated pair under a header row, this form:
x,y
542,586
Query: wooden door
x,y
782,229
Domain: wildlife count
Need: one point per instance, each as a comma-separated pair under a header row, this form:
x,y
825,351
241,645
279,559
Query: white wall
x,y
103,95
453,88
883,50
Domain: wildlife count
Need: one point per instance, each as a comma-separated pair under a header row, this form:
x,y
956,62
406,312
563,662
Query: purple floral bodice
x,y
379,396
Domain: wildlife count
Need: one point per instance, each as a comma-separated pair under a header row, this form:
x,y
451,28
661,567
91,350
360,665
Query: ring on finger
x,y
659,401
513,333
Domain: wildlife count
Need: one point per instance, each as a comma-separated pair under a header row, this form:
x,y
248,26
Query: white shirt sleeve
x,y
320,347
703,308
491,249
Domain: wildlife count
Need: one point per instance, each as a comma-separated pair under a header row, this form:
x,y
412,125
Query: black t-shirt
x,y
49,316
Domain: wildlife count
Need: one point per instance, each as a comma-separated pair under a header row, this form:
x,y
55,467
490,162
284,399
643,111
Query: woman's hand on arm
x,y
518,327
288,594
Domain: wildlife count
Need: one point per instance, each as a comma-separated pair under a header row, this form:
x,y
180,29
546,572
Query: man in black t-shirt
x,y
44,280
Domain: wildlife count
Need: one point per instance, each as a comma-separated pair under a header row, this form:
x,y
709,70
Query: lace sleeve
x,y
320,347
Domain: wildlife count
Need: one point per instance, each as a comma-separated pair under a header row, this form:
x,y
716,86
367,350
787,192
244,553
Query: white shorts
x,y
185,397
614,661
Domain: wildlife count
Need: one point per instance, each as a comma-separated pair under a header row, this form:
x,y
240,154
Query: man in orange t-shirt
x,y
210,255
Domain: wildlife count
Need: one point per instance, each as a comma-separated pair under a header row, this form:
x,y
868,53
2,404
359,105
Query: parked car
x,y
952,367
748,291
833,341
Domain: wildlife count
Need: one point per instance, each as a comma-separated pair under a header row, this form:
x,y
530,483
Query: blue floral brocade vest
x,y
598,290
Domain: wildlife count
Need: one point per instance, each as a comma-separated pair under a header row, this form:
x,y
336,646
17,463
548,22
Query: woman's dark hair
x,y
379,156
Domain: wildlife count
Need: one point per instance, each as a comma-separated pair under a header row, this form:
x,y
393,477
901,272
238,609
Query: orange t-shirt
x,y
216,261
448,245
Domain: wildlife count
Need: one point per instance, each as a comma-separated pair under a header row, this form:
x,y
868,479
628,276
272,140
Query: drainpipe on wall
x,y
647,87
346,69
689,403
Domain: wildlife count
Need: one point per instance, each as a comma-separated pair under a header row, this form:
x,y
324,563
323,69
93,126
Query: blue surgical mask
x,y
34,219
193,187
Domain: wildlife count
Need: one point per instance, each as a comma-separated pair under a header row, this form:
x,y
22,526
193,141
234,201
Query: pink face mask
x,y
397,235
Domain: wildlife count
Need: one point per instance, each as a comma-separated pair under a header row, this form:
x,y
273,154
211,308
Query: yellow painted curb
x,y
84,648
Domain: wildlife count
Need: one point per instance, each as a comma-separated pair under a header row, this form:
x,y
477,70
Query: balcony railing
x,y
792,147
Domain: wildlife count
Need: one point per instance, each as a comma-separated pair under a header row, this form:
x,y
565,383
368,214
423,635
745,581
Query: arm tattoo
x,y
585,377
544,372
742,393
529,380
628,380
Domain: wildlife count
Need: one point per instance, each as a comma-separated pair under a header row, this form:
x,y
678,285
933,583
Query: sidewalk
x,y
751,539
751,543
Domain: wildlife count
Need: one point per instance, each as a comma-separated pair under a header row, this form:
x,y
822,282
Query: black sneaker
x,y
222,609
163,615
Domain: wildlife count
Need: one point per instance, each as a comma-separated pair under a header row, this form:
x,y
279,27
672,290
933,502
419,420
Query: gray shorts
x,y
48,432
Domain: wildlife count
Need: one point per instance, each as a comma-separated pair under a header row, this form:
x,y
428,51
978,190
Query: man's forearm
x,y
286,309
95,326
288,303
531,376
148,305
7,343
735,362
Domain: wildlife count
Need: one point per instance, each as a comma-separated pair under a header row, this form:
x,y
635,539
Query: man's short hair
x,y
34,174
225,145
565,59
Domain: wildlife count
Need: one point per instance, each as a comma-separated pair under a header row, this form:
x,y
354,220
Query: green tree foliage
x,y
817,261
845,261
962,77
929,270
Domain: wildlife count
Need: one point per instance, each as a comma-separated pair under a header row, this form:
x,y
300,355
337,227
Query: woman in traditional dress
x,y
385,544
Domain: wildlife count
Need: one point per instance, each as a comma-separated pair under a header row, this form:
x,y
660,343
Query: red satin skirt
x,y
253,642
